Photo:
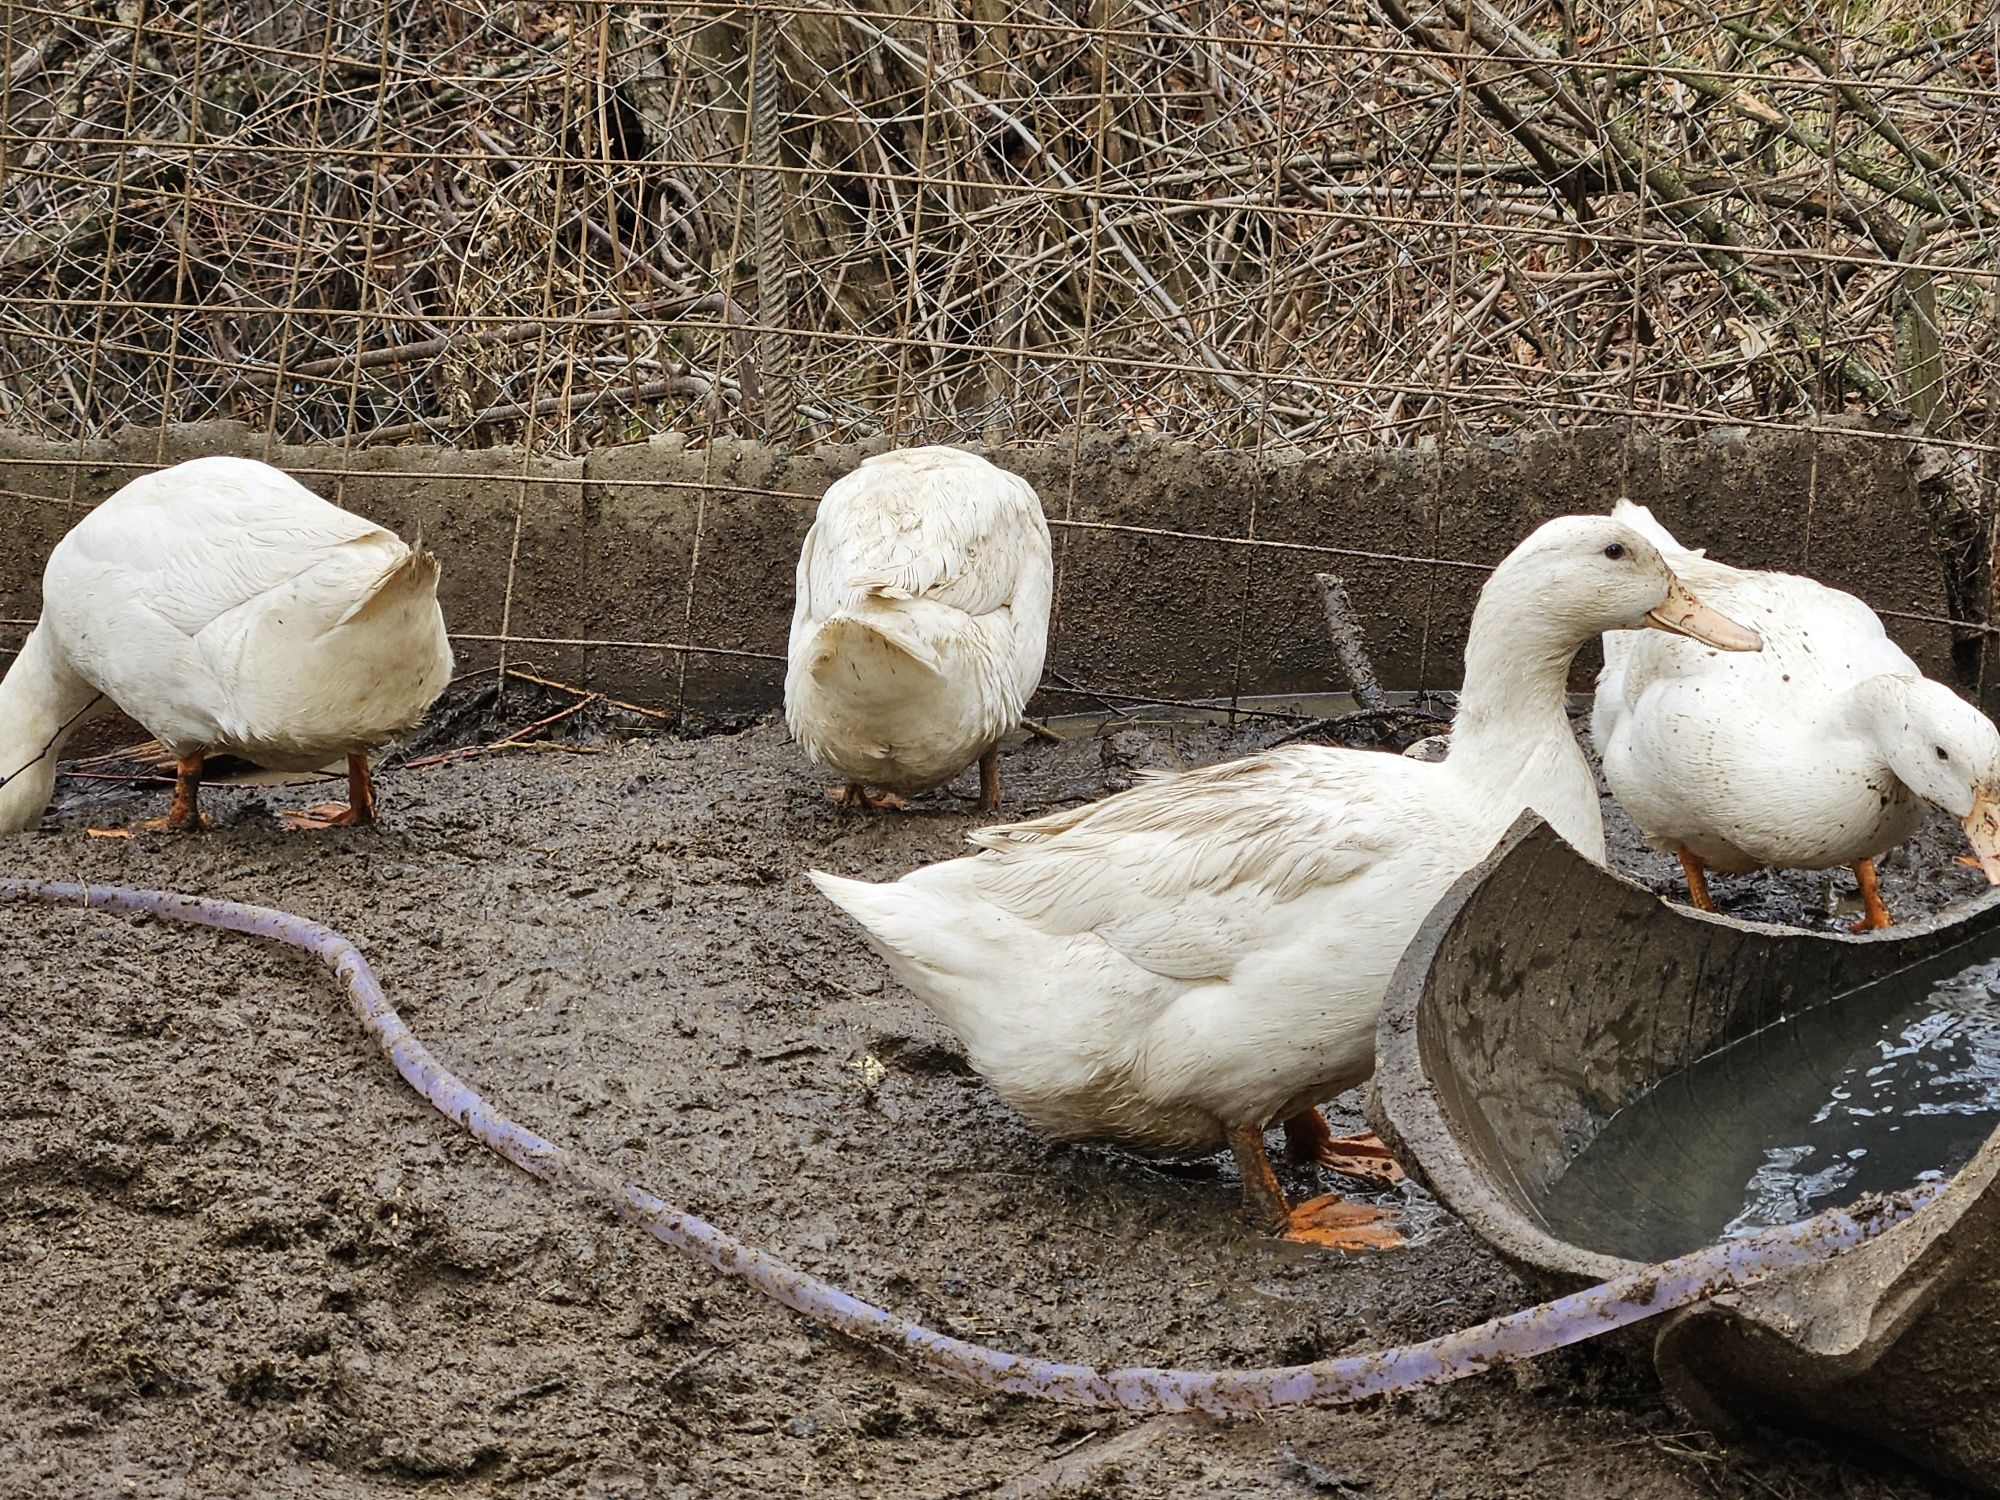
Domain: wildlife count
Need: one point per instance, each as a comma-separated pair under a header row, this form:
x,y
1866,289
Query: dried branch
x,y
1863,104
1715,239
1243,225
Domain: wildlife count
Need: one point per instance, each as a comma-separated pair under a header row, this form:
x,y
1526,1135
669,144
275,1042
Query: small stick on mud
x,y
1345,628
520,675
1041,731
513,740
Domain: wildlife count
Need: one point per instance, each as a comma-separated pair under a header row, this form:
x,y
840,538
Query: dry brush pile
x,y
1370,221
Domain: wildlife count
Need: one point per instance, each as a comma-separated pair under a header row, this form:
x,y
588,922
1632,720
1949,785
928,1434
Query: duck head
x,y
1592,574
1948,753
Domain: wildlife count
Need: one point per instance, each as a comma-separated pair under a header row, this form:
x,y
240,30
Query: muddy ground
x,y
239,1257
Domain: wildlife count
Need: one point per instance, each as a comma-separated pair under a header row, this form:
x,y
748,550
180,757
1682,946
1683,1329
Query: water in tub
x,y
1873,1091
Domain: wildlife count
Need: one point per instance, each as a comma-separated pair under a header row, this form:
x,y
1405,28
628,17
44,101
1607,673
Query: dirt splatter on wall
x,y
662,570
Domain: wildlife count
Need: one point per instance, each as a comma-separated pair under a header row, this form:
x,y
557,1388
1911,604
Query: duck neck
x,y
41,702
1871,710
1511,743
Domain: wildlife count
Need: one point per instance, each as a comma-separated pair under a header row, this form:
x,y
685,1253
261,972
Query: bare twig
x,y
1350,643
1242,224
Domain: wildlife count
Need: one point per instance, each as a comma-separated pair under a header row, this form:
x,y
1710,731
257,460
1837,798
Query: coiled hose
x,y
1332,1382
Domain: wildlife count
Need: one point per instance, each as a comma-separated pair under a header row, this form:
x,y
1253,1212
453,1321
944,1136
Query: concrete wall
x,y
605,548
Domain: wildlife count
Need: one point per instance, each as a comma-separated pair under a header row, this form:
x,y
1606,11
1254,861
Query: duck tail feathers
x,y
886,911
850,631
411,577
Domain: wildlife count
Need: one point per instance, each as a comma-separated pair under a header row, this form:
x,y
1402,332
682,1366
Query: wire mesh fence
x,y
1252,223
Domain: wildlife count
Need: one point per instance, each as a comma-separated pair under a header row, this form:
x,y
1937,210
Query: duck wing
x,y
200,543
1186,876
886,531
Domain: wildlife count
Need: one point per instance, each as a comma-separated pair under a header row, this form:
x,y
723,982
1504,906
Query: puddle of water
x,y
1881,1088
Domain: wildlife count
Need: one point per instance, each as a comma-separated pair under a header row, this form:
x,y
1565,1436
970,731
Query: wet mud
x,y
239,1257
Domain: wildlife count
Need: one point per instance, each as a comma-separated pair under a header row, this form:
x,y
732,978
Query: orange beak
x,y
1680,613
1982,831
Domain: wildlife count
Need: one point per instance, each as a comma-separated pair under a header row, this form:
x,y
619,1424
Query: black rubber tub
x,y
1543,994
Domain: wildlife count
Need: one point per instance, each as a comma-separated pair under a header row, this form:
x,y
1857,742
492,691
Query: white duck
x,y
225,607
1820,751
921,621
1190,961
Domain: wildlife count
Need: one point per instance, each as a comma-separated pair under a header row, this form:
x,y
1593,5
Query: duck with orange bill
x,y
1177,968
1823,750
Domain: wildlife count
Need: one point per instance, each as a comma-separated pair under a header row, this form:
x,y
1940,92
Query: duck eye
x,y
1940,752
1615,551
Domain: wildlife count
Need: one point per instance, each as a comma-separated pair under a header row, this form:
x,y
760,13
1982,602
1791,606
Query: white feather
x,y
225,607
921,617
1786,757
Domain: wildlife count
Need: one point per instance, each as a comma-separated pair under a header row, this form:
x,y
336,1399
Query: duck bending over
x,y
920,625
1820,751
225,607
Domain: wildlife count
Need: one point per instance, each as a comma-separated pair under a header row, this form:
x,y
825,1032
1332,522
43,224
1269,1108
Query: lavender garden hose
x,y
1332,1382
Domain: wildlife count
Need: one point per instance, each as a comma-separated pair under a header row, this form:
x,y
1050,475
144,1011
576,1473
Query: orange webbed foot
x,y
360,806
184,815
1362,1157
1336,1224
1874,913
326,815
1308,1138
152,825
1330,1221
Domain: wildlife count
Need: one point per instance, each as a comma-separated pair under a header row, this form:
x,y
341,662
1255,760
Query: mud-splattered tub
x,y
1544,995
